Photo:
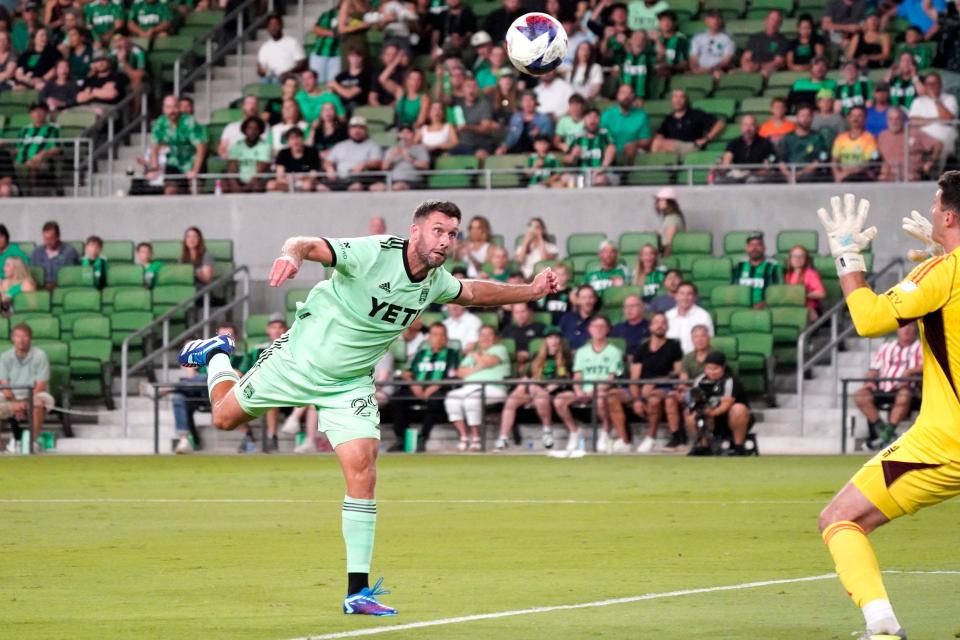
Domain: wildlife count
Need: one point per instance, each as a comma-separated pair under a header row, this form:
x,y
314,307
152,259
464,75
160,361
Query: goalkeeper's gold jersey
x,y
930,295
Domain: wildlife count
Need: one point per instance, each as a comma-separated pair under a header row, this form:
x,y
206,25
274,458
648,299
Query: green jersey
x,y
495,373
102,17
150,273
902,92
592,148
601,279
247,158
99,265
597,365
855,95
80,62
676,49
327,46
33,140
804,149
180,139
569,129
348,322
757,277
148,15
635,70
921,55
550,161
429,365
310,106
625,127
652,283
641,16
13,250
137,59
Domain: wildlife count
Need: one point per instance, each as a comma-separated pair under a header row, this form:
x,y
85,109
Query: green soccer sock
x,y
359,521
219,370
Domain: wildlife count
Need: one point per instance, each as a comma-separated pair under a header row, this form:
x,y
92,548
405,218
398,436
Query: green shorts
x,y
347,408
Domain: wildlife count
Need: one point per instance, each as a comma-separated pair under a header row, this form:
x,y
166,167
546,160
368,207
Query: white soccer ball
x,y
536,43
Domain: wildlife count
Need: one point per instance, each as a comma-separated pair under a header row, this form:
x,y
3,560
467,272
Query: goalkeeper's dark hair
x,y
949,184
445,207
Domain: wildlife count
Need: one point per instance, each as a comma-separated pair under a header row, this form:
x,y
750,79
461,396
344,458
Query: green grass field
x,y
250,547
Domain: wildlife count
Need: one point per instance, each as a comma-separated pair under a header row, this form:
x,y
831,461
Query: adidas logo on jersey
x,y
385,286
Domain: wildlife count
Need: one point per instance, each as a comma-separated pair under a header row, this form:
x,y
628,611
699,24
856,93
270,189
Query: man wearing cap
x,y
627,124
805,90
610,272
103,86
404,160
877,112
756,271
727,413
482,45
131,61
826,121
36,147
104,18
355,155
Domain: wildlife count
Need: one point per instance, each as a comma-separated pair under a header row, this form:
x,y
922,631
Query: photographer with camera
x,y
717,409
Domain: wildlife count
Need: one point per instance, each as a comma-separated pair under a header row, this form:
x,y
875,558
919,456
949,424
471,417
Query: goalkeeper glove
x,y
845,232
921,229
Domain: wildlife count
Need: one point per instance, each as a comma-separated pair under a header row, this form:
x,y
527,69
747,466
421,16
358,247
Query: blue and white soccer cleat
x,y
899,635
195,352
365,603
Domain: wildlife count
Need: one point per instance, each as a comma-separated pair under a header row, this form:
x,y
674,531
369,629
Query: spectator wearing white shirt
x,y
280,54
934,112
584,74
462,326
553,94
686,315
712,50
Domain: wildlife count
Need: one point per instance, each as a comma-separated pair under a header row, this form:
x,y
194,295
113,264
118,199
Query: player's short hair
x,y
687,283
23,326
949,184
445,207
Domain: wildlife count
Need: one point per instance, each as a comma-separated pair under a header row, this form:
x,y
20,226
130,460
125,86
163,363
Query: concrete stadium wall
x,y
258,224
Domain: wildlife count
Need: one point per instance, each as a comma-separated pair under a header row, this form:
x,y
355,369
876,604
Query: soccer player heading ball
x,y
347,323
922,468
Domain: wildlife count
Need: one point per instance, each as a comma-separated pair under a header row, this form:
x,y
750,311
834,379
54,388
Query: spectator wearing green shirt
x,y
905,83
542,165
594,150
9,249
324,57
611,272
144,258
642,14
37,148
913,43
131,61
104,18
313,96
186,146
488,362
649,273
673,49
93,257
411,100
805,90
627,124
854,91
570,126
756,272
806,149
77,52
248,158
150,19
636,65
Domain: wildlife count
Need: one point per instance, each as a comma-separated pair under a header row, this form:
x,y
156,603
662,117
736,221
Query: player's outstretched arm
x,y
295,250
484,293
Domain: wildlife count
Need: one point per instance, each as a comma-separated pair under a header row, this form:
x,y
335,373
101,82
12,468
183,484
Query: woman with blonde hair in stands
x,y
552,362
16,279
475,248
194,251
536,246
800,271
671,217
649,273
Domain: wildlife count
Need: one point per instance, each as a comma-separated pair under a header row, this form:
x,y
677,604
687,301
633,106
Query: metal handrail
x,y
837,337
846,411
141,121
164,320
76,143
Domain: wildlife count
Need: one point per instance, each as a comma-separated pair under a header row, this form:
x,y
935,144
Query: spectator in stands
x,y
103,87
558,302
826,121
933,113
282,54
488,362
522,328
353,84
412,101
691,366
404,161
500,19
312,97
649,273
412,338
497,64
806,46
712,51
634,328
757,272
686,129
749,149
16,280
434,361
806,149
353,24
574,322
327,130
553,360
636,65
666,297
397,61
9,249
436,134
325,53
291,118
26,366
504,97
595,360
194,252
901,357
462,326
855,150
766,51
37,149
594,151
52,254
808,90
60,91
482,45
535,247
150,19
728,408
553,94
570,126
585,75
800,271
656,357
843,18
347,161
687,315
913,43
93,257
498,268
131,61
925,151
671,46
233,132
667,207
271,111
476,132
870,48
397,21
104,18
921,15
627,124
36,65
450,75
8,62
8,175
854,91
185,143
144,258
876,122
778,125
298,163
249,158
905,83
455,26
610,271
525,124
475,250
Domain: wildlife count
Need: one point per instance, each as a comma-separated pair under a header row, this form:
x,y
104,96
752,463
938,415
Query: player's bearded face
x,y
434,239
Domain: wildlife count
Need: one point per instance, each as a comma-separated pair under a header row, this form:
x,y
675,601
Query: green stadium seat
x,y
685,8
808,238
453,180
710,273
634,241
579,244
209,18
91,349
758,107
579,263
543,264
727,345
226,116
294,296
785,295
168,296
613,297
175,274
133,300
700,159
4,329
692,242
58,355
385,139
508,179
729,9
44,326
381,115
132,310
783,80
32,302
652,176
738,86
696,86
658,108
78,303
755,361
431,317
762,7
220,249
489,318
125,275
735,242
75,276
21,98
167,250
724,300
263,91
117,251
255,328
787,323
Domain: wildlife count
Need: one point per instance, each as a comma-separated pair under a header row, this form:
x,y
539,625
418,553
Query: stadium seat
x,y
779,83
32,302
724,300
207,18
709,273
735,242
785,295
698,159
658,108
58,355
373,114
727,345
74,276
652,176
263,91
167,250
634,241
689,246
226,116
117,251
4,329
506,179
739,86
725,108
453,180
760,8
125,275
489,318
169,296
222,250
808,238
132,310
758,107
753,329
729,9
696,86
787,324
685,9
580,244
431,317
44,327
294,296
613,297
255,328
543,264
78,303
91,349
175,274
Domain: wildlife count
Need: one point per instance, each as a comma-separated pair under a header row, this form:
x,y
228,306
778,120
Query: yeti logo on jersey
x,y
424,293
385,286
391,313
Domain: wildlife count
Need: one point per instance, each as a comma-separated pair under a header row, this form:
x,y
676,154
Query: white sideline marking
x,y
585,605
330,501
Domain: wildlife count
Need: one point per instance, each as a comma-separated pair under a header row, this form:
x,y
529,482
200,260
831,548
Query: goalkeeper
x,y
922,468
